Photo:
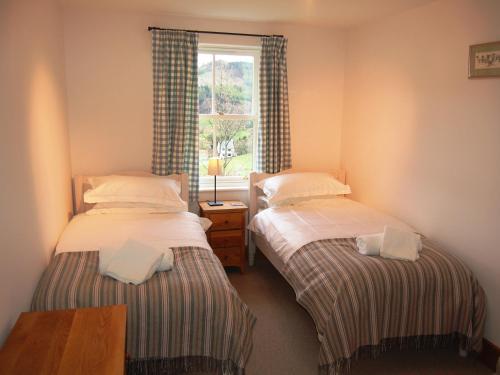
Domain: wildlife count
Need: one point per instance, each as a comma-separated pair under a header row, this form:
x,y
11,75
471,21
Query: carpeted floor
x,y
285,340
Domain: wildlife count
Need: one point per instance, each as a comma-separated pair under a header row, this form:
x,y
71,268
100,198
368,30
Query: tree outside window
x,y
227,106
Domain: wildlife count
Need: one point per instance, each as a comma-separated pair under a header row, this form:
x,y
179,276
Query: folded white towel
x,y
105,256
134,262
400,244
167,263
370,244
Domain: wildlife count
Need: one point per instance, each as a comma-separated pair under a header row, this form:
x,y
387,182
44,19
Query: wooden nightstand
x,y
227,233
67,342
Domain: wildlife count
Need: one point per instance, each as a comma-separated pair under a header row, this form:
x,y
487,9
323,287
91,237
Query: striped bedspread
x,y
187,319
363,305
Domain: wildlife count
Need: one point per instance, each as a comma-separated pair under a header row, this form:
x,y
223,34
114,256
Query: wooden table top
x,y
228,206
60,342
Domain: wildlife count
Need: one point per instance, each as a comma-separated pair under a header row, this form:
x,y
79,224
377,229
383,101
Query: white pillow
x,y
133,208
98,180
284,188
134,189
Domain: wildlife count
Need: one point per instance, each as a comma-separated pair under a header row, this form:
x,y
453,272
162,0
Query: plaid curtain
x,y
175,108
274,152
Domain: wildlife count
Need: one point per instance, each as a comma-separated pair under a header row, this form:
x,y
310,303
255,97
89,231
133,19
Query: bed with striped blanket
x,y
364,305
188,319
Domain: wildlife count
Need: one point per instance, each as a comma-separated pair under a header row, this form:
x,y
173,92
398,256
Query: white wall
x,y
419,139
109,77
35,173
422,141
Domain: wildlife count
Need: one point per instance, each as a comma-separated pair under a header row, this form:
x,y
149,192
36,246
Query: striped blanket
x,y
188,319
364,305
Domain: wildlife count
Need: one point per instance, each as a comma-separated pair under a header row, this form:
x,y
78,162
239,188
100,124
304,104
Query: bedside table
x,y
67,342
227,233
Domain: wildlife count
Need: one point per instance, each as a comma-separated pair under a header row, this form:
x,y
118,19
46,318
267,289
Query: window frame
x,y
233,182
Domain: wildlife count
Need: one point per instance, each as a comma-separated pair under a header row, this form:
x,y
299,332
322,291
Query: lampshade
x,y
214,167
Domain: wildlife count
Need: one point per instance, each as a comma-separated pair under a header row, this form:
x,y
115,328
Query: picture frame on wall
x,y
484,60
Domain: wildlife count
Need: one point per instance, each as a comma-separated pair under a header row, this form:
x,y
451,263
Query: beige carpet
x,y
285,340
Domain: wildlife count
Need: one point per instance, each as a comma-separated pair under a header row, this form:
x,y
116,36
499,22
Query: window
x,y
228,107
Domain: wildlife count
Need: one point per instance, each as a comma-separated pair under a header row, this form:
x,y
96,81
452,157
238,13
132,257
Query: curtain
x,y
175,106
274,153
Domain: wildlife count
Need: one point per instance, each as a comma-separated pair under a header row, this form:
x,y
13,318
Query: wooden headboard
x,y
255,192
81,185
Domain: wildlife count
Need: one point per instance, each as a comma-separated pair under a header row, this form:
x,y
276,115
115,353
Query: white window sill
x,y
223,188
224,183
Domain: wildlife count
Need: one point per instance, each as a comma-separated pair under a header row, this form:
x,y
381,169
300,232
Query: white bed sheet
x,y
94,232
289,228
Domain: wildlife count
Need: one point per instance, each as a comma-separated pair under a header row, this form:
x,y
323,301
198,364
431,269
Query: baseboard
x,y
489,355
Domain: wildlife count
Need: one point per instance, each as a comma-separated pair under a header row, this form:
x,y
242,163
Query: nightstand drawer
x,y
226,221
226,238
229,256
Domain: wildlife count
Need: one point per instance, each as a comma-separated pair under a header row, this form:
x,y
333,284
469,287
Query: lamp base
x,y
215,203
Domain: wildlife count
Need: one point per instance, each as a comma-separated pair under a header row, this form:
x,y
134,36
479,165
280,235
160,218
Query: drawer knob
x,y
226,221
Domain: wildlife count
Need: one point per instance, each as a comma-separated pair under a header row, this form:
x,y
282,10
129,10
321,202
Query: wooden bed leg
x,y
251,251
462,353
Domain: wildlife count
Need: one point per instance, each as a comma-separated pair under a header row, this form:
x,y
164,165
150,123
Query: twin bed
x,y
184,320
191,319
362,305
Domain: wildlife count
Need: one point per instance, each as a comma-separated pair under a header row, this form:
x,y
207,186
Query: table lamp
x,y
215,169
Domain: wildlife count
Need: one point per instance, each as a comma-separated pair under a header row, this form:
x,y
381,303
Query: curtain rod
x,y
214,32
